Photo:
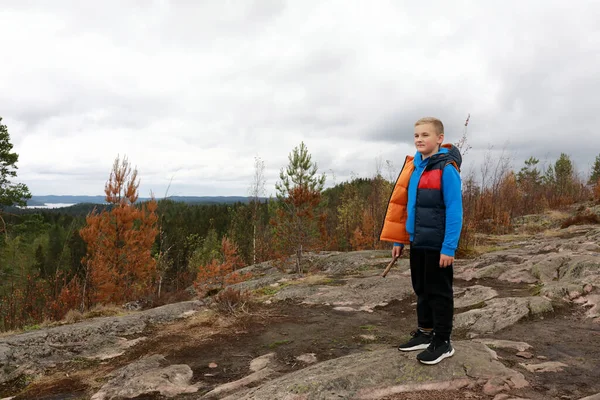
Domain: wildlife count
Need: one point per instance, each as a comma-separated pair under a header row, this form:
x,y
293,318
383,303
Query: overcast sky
x,y
191,91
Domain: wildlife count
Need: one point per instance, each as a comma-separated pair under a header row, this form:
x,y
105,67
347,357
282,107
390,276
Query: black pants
x,y
433,287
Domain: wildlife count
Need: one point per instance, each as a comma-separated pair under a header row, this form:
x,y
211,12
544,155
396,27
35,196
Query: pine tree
x,y
300,172
220,271
119,265
296,223
564,174
350,214
529,182
549,178
529,174
595,177
10,193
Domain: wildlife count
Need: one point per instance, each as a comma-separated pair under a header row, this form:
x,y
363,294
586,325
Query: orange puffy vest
x,y
394,224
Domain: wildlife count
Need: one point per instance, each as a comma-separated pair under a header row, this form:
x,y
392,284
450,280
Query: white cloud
x,y
192,91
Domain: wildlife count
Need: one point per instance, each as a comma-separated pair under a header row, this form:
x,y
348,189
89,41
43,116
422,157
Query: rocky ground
x,y
527,326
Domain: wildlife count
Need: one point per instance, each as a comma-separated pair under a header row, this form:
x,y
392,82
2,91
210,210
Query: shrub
x,y
581,219
232,301
73,316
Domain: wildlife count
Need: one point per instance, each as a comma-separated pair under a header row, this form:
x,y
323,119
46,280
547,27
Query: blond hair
x,y
439,127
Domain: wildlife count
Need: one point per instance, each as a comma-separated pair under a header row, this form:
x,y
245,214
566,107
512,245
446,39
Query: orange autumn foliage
x,y
220,273
297,224
69,298
119,264
23,304
361,240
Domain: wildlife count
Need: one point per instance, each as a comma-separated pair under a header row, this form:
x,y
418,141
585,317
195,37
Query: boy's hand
x,y
397,251
446,261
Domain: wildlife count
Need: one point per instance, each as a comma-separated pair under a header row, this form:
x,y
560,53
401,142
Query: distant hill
x,y
54,199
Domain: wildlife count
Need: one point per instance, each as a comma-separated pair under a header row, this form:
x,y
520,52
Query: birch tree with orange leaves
x,y
119,266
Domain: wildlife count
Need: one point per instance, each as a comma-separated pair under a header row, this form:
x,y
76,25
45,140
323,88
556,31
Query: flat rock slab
x,y
593,302
344,263
500,271
504,344
262,362
564,262
474,295
97,338
148,375
234,386
357,294
592,397
550,366
501,313
308,358
380,373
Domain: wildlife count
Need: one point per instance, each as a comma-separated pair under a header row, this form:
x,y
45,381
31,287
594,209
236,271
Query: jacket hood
x,y
453,153
448,151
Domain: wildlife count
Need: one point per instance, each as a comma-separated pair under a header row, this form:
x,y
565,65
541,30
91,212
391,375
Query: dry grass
x,y
536,223
231,301
9,333
556,233
206,318
72,316
99,310
488,249
313,280
46,323
173,297
557,215
581,219
104,310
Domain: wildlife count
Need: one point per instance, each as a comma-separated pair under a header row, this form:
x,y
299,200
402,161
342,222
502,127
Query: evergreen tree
x,y
208,249
350,211
529,181
529,175
564,175
595,177
242,230
299,192
300,172
119,265
10,193
549,177
40,261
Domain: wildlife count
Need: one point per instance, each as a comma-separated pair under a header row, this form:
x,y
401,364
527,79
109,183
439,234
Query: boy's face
x,y
427,140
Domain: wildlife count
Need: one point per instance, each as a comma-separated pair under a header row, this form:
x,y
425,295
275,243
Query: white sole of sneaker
x,y
417,347
440,358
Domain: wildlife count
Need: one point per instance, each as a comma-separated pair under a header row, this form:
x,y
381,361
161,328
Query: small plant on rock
x,y
219,273
232,301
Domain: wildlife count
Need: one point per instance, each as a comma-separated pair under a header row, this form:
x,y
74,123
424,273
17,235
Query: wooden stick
x,y
387,269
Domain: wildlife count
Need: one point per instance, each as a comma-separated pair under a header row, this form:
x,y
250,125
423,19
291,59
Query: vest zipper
x,y
417,197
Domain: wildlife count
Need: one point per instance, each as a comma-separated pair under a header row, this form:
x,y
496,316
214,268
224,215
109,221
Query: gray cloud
x,y
192,91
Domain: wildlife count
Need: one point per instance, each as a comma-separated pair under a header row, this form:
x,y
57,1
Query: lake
x,y
53,205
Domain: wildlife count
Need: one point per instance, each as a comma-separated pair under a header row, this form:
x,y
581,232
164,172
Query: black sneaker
x,y
420,340
436,352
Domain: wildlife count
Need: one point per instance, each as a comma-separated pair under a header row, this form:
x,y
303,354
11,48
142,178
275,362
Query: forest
x,y
54,261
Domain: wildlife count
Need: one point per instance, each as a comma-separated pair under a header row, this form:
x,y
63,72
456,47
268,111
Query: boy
x,y
425,211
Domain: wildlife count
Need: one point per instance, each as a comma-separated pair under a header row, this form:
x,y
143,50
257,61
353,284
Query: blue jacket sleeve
x,y
452,190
